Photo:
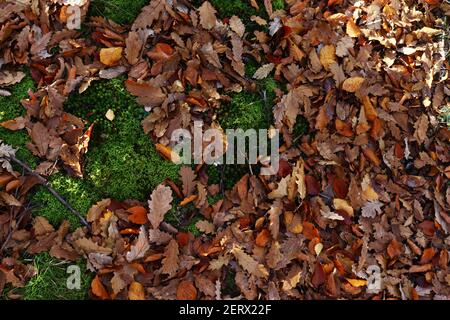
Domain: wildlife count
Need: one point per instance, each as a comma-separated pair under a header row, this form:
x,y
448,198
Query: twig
x,y
45,183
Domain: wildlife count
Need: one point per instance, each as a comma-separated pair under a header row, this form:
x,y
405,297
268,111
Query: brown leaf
x,y
41,226
263,238
268,6
136,291
97,210
263,71
205,226
186,291
98,289
134,45
394,249
211,55
187,176
249,263
274,218
110,56
170,262
140,248
159,204
207,15
41,138
88,246
237,26
147,94
14,124
352,84
138,215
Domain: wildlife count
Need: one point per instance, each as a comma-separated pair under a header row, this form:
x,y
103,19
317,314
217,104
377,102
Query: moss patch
x,y
120,11
50,283
78,193
10,108
122,162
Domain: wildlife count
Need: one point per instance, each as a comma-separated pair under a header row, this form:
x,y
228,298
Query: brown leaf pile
x,y
367,188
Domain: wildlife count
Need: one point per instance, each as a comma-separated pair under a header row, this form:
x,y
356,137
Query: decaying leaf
x,y
159,204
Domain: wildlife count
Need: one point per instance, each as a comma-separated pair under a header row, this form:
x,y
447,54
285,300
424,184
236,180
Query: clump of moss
x,y
122,162
80,194
120,11
10,108
232,173
50,283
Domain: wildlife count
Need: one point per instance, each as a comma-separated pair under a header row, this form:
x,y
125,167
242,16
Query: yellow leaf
x,y
352,29
357,282
136,291
352,84
327,56
341,204
109,56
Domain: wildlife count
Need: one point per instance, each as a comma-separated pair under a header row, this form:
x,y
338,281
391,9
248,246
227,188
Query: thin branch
x,y
45,183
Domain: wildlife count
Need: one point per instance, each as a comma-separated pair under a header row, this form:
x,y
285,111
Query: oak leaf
x,y
140,248
159,204
207,15
170,262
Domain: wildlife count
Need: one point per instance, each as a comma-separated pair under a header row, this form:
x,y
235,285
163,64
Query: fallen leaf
x,y
136,291
159,204
98,289
110,56
186,291
140,248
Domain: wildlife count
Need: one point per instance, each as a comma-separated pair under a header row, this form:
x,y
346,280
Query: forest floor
x,y
123,163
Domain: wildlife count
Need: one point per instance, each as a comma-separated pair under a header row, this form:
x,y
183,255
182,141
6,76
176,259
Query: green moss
x,y
301,127
120,11
10,108
122,162
80,194
50,283
231,175
190,227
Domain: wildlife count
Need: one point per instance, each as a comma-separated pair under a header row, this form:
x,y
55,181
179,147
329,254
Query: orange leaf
x,y
188,200
371,155
154,257
98,289
161,52
186,291
343,128
167,153
136,291
110,56
357,282
262,239
138,215
310,231
427,255
433,2
394,249
129,231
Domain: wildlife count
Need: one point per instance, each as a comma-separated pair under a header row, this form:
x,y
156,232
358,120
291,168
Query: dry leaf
x,y
171,261
207,15
249,263
263,71
352,84
159,204
136,291
140,248
186,291
110,56
205,226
